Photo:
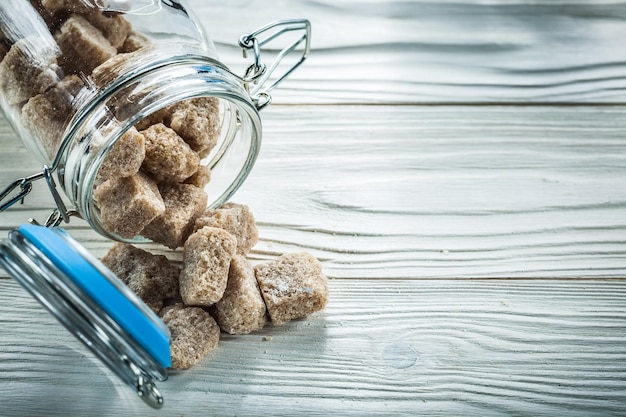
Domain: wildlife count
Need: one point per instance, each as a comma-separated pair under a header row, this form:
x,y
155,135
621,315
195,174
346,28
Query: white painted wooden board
x,y
406,339
474,348
422,192
476,252
407,51
387,192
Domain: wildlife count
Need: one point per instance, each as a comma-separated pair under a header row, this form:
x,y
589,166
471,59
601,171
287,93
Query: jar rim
x,y
203,77
47,278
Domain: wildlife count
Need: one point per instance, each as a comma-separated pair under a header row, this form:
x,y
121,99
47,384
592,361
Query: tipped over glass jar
x,y
125,102
130,112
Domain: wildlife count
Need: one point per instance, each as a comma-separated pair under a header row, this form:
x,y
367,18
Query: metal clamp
x,y
25,186
258,73
21,187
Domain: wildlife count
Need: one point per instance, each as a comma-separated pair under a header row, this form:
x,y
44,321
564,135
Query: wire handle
x,y
258,73
7,198
21,187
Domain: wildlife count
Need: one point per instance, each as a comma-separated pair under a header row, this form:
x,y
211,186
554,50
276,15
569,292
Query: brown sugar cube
x,y
39,117
114,27
128,204
183,204
62,94
75,6
242,309
29,68
5,45
110,69
46,115
197,121
152,277
168,157
206,260
134,42
125,156
53,18
83,46
235,219
3,50
157,117
194,334
293,286
54,12
201,178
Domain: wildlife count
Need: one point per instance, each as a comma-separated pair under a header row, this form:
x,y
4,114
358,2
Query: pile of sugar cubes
x,y
217,288
151,183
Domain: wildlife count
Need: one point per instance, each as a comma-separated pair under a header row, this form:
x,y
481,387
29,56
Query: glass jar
x,y
79,77
90,86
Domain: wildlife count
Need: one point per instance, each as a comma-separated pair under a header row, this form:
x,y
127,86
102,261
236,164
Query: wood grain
x,y
380,348
398,51
412,192
459,169
419,192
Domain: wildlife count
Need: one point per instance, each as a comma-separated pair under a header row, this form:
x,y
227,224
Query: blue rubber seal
x,y
90,280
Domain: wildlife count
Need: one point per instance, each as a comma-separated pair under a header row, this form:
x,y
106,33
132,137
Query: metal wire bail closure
x,y
21,187
257,77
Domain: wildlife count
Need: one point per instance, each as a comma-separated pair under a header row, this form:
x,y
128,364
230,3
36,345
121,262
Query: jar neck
x,y
134,90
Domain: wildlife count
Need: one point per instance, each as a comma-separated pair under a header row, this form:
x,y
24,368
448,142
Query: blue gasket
x,y
114,303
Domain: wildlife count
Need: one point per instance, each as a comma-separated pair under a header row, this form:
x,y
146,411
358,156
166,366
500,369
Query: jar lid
x,y
92,303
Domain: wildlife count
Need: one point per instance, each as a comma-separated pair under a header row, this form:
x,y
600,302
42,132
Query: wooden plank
x,y
416,192
423,51
429,192
394,347
407,206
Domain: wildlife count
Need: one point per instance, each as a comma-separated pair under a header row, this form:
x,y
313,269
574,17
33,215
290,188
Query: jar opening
x,y
188,126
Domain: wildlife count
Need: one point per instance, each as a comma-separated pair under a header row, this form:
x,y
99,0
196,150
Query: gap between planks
x,y
444,280
453,104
